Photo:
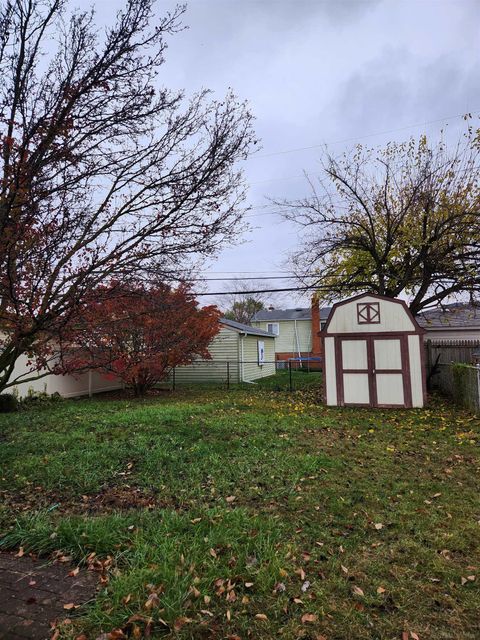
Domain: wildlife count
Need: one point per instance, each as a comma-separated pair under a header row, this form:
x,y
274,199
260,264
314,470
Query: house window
x,y
368,313
273,327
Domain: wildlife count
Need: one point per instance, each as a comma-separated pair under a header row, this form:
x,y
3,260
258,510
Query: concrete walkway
x,y
33,594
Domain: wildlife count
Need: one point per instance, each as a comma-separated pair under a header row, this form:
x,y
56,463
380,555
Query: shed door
x,y
373,371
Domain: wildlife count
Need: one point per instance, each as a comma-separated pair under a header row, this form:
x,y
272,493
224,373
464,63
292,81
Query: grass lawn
x,y
253,513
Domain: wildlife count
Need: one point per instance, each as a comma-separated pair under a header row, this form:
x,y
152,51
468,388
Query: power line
x,y
353,139
252,278
229,293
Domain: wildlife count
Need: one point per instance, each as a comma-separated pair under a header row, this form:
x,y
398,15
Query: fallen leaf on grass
x,y
309,617
213,553
414,636
248,584
127,599
261,616
378,526
20,553
152,601
380,590
358,591
74,572
344,569
230,499
301,573
181,622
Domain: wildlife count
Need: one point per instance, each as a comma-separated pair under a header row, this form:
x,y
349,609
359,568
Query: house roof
x,y
458,315
245,328
277,315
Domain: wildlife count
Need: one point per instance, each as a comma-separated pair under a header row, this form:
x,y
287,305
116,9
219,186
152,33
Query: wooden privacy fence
x,y
447,351
440,356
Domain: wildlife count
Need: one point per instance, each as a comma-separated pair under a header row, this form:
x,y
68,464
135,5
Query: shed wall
x,y
251,369
330,371
224,347
416,374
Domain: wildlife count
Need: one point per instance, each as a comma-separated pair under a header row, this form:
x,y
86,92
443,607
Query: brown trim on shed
x,y
418,328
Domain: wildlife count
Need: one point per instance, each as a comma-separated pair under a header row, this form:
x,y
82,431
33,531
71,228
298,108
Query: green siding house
x,y
239,353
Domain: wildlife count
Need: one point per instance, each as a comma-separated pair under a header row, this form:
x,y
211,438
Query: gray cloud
x,y
322,71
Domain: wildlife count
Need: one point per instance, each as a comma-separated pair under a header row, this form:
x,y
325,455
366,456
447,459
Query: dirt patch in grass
x,y
107,500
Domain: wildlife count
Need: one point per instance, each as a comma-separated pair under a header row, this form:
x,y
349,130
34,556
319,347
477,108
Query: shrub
x,y
39,398
8,403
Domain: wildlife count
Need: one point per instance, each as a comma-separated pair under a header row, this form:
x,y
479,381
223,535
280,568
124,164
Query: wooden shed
x,y
373,354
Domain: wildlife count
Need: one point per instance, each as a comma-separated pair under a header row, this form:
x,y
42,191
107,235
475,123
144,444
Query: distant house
x,y
456,321
241,352
296,330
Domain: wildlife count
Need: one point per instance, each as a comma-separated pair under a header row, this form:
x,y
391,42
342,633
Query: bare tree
x,y
242,305
103,171
400,220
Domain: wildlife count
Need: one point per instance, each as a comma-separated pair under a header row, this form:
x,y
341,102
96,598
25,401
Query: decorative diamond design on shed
x,y
368,313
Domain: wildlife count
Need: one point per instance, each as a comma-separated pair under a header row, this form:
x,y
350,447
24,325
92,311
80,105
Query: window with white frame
x,y
273,327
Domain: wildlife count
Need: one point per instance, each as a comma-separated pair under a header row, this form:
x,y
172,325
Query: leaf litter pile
x,y
251,514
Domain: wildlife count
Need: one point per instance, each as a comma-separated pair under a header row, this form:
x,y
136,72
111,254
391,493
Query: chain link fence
x,y
286,375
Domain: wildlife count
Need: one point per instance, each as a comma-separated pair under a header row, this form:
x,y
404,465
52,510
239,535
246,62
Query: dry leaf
x,y
309,617
261,616
213,553
230,499
20,553
301,573
152,602
180,622
69,606
414,636
380,590
206,599
74,572
127,599
358,591
344,569
249,584
378,526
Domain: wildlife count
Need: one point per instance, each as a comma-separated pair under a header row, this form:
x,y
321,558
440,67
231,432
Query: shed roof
x,y
277,315
458,315
245,328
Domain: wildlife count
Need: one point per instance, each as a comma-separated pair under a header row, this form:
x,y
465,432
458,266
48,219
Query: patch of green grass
x,y
367,521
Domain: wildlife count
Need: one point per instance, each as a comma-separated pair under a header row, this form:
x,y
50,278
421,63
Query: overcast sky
x,y
318,72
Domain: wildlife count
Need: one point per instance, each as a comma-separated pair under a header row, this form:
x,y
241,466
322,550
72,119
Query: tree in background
x,y
138,333
104,172
400,220
241,306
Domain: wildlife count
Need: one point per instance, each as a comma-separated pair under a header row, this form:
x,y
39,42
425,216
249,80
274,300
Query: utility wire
x,y
368,135
230,293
